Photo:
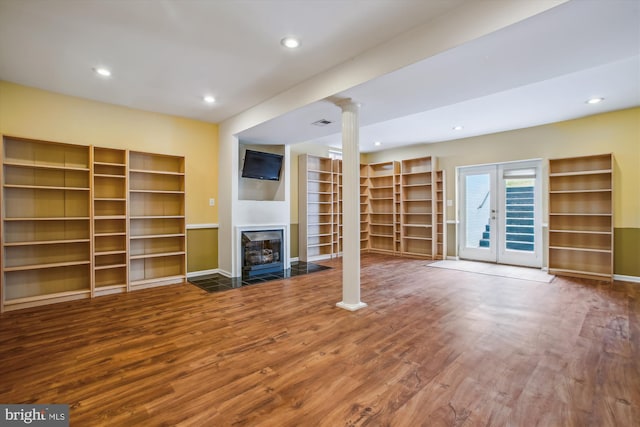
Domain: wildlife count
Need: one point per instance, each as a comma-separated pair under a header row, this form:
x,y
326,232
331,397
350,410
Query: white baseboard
x,y
623,278
202,273
296,259
225,273
453,258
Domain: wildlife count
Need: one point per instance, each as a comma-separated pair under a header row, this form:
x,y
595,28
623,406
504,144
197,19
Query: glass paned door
x,y
478,229
500,213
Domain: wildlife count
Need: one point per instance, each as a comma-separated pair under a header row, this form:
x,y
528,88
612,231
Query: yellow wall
x,y
616,132
32,113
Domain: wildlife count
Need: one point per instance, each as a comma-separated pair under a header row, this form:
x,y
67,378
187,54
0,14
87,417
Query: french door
x,y
500,213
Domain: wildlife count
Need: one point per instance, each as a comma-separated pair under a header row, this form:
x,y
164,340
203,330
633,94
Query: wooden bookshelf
x,y
110,231
364,207
315,207
157,234
440,226
382,206
581,217
417,208
337,207
46,230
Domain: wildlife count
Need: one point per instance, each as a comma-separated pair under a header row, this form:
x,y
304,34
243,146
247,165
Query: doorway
x,y
500,213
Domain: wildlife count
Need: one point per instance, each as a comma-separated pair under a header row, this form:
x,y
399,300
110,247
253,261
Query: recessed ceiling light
x,y
209,99
101,71
377,143
458,127
595,100
290,42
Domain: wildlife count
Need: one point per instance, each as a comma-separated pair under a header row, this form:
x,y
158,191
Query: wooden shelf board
x,y
157,255
110,199
119,233
602,190
581,173
319,245
108,267
418,225
581,232
99,217
56,218
46,187
156,191
45,297
417,238
43,266
417,200
41,166
381,235
157,217
154,172
106,287
108,175
108,164
579,249
157,236
103,253
157,279
46,242
578,214
581,273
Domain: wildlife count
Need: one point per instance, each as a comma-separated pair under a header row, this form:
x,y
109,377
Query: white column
x,y
350,206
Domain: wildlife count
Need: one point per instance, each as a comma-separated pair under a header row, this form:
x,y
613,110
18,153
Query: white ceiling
x,y
166,54
538,71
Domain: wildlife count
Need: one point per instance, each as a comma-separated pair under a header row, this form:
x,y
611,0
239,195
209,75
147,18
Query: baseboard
x,y
225,273
202,273
296,259
623,278
453,258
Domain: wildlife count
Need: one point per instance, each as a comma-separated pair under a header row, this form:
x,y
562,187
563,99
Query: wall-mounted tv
x,y
259,165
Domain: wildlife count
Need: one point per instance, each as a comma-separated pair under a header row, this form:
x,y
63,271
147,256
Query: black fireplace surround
x,y
262,252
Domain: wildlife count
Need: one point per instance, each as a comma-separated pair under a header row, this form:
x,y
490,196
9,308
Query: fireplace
x,y
262,252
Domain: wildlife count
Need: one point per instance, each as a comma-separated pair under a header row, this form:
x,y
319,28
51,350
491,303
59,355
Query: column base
x,y
351,307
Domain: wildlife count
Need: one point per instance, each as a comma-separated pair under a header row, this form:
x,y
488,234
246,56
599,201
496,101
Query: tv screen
x,y
259,165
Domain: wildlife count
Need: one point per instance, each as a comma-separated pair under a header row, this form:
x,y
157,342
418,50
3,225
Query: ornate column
x,y
350,206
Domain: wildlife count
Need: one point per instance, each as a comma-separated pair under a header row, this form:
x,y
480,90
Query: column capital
x,y
346,104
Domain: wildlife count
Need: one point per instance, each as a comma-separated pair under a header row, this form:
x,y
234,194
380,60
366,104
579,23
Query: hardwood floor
x,y
435,347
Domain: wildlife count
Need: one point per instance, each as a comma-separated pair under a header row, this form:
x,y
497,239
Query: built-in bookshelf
x,y
157,247
581,217
110,237
440,223
315,207
382,206
46,227
82,221
402,209
417,207
364,207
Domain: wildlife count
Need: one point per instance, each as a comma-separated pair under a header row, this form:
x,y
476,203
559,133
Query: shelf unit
x,y
440,216
364,207
157,235
337,207
581,217
381,178
46,229
110,231
417,208
315,206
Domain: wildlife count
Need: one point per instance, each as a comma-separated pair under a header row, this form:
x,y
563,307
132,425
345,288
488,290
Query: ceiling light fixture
x,y
458,127
377,143
103,72
209,99
290,42
595,100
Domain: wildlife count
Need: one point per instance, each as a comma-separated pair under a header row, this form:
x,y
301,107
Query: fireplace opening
x,y
261,252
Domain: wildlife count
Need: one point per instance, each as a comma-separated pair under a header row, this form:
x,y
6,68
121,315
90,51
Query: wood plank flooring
x,y
435,347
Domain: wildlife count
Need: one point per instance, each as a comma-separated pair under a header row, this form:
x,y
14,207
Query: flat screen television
x,y
259,165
